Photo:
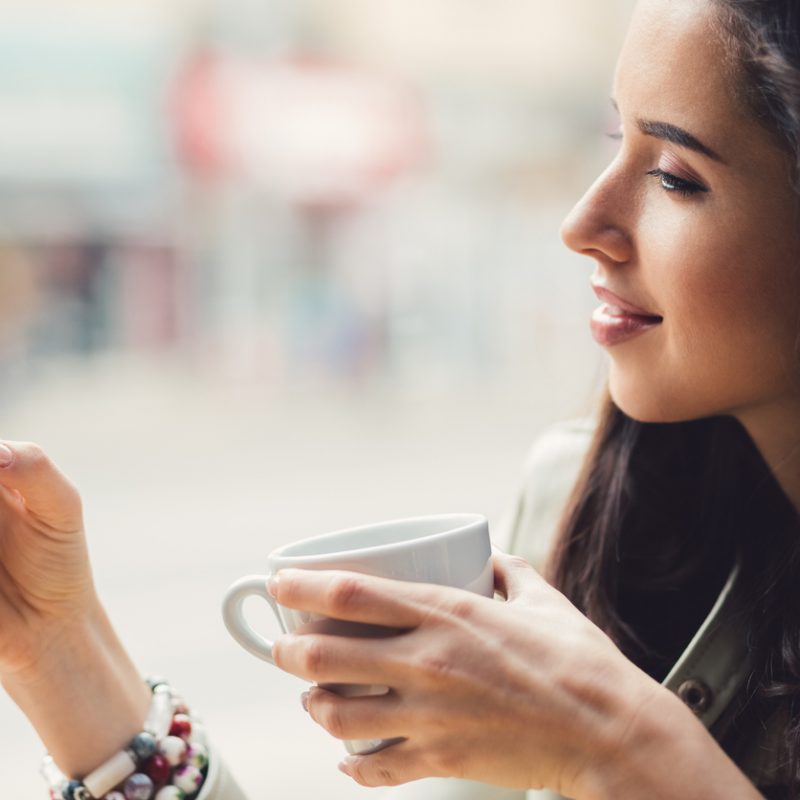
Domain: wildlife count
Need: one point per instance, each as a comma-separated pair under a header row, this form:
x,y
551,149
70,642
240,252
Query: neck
x,y
776,433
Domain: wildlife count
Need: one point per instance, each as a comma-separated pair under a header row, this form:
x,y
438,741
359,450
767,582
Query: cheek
x,y
732,319
731,324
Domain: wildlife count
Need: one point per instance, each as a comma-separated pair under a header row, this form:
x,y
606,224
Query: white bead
x,y
159,716
170,793
197,755
188,778
107,776
173,748
50,772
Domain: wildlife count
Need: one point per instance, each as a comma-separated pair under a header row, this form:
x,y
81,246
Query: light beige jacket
x,y
706,675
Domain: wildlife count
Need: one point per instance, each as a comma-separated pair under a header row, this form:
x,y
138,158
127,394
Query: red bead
x,y
181,726
158,769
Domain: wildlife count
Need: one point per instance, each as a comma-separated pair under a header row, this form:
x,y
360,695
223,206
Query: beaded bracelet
x,y
167,760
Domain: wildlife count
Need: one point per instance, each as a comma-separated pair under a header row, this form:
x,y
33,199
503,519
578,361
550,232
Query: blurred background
x,y
273,268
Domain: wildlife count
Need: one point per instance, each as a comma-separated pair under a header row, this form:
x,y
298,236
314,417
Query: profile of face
x,y
694,232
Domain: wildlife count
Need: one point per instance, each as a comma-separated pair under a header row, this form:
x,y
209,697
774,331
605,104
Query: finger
x,y
355,597
373,717
400,763
514,576
321,658
48,495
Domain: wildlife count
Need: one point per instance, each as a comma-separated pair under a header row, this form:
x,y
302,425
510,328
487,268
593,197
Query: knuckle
x,y
345,593
436,667
330,717
518,562
374,771
314,659
285,590
385,776
462,607
358,775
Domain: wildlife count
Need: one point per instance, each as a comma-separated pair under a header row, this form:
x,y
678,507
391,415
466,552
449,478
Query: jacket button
x,y
695,694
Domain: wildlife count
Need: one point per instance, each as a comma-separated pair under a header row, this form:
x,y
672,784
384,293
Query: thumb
x,y
47,494
514,576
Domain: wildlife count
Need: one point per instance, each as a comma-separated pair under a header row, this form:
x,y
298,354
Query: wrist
x,y
81,692
625,726
48,640
633,730
657,748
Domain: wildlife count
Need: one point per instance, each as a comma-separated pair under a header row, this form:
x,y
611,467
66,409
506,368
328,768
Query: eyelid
x,y
669,162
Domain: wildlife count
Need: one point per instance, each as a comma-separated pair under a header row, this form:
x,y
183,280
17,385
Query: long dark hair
x,y
661,512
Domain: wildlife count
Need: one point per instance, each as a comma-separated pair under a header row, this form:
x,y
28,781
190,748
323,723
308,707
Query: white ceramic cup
x,y
448,549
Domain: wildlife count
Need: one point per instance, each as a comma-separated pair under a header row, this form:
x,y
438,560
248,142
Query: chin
x,y
650,400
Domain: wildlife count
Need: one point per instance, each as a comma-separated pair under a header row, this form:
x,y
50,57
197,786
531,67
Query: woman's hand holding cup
x,y
448,549
524,693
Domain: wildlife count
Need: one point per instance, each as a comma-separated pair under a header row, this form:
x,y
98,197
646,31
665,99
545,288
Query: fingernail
x,y
344,766
272,584
6,456
304,700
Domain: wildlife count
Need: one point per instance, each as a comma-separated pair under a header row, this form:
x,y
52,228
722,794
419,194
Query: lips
x,y
619,320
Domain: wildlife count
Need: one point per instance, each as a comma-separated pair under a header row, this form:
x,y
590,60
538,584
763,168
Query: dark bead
x,y
138,787
158,769
181,726
71,790
143,745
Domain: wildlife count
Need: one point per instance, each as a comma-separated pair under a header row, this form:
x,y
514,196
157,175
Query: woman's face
x,y
693,229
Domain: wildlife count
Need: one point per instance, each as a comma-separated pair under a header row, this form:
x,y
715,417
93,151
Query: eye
x,y
672,183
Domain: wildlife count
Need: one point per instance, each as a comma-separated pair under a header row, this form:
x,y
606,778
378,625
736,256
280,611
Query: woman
x,y
688,498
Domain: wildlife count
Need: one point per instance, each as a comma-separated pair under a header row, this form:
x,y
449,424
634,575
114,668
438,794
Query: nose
x,y
599,224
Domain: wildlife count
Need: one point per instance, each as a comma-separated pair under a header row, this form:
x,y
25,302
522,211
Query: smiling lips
x,y
617,320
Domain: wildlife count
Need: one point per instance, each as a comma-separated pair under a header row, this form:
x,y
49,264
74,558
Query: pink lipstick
x,y
618,320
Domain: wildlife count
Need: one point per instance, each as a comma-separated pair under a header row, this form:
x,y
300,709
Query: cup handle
x,y
235,621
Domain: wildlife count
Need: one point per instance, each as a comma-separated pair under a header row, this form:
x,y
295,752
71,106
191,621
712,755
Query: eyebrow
x,y
676,135
672,133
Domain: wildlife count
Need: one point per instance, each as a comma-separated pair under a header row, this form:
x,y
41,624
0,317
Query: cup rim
x,y
462,522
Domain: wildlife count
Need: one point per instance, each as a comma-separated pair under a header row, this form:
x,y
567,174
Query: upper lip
x,y
615,300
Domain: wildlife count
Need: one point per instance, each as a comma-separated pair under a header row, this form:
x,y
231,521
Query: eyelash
x,y
672,183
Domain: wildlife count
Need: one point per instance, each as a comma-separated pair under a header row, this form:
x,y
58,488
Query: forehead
x,y
674,67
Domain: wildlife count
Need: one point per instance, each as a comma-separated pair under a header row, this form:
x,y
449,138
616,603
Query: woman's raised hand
x,y
45,579
60,659
523,693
